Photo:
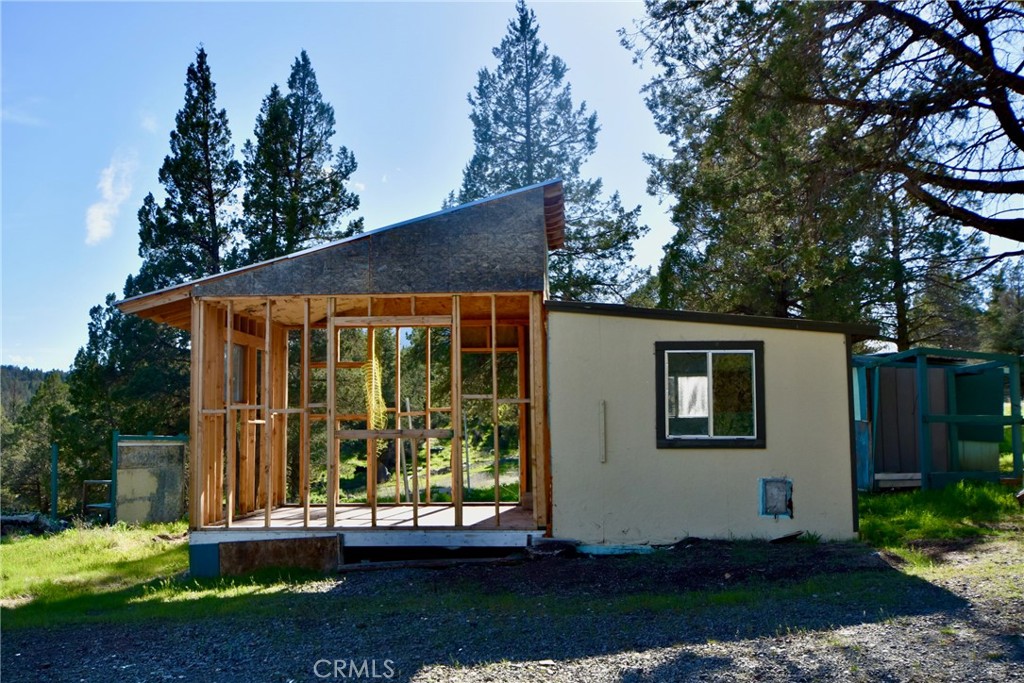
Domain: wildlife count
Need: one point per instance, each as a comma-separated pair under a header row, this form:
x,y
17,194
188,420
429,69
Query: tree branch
x,y
993,73
1010,228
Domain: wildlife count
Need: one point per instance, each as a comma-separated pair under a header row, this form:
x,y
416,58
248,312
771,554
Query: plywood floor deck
x,y
433,516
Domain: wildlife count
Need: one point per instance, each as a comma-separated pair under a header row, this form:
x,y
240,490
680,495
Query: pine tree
x,y
1002,326
526,129
296,191
189,234
26,453
133,374
776,211
896,73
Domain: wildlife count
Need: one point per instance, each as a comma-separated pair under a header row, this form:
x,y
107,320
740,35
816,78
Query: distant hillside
x,y
17,386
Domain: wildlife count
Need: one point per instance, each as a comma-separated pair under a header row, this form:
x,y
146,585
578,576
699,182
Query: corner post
x,y
196,500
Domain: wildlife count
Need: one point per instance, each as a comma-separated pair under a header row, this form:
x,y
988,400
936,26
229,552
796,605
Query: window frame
x,y
661,349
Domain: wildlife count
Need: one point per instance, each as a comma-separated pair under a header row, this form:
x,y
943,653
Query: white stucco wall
x,y
643,494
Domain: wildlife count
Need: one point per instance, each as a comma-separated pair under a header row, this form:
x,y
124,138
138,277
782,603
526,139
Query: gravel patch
x,y
795,613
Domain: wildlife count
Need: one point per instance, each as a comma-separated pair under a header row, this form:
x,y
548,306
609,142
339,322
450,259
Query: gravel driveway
x,y
702,611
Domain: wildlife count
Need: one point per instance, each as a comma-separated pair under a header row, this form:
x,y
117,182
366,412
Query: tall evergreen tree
x,y
26,453
777,211
899,74
767,216
1002,327
296,191
526,129
919,270
189,234
132,374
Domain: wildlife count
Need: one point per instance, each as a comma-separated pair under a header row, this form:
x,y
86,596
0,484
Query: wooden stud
x,y
523,429
414,443
279,415
426,417
494,410
399,455
371,443
249,478
538,418
232,458
267,441
304,438
457,436
332,410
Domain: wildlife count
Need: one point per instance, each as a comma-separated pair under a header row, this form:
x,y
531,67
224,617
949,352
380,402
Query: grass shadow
x,y
558,609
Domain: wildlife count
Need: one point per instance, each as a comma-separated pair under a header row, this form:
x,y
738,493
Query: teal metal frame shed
x,y
930,417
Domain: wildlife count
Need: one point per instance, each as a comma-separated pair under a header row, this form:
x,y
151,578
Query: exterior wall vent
x,y
776,497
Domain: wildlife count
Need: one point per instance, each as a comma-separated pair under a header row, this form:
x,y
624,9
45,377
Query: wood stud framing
x,y
238,456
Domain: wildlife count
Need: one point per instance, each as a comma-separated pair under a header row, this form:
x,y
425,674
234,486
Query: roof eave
x,y
857,332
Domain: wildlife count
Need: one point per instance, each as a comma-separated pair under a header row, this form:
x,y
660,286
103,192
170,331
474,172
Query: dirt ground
x,y
704,611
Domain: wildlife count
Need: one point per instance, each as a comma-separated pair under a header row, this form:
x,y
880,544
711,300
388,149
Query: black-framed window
x,y
710,394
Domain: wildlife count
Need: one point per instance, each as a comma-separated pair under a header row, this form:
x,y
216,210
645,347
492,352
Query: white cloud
x,y
17,359
148,123
359,187
17,115
115,185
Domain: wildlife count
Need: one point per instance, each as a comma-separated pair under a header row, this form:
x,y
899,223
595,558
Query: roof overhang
x,y
856,332
172,305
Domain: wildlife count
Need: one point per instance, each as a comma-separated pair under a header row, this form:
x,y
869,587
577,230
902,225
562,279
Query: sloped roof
x,y
497,244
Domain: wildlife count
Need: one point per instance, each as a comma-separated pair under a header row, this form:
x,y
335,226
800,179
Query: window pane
x,y
687,389
687,363
732,380
683,426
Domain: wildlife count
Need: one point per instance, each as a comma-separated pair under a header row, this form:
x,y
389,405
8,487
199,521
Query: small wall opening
x,y
776,497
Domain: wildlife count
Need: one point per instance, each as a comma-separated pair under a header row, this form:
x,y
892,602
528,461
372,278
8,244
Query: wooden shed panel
x,y
887,456
938,404
898,433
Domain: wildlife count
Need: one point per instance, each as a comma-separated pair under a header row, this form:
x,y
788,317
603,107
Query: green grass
x,y
126,574
120,573
87,561
75,572
966,509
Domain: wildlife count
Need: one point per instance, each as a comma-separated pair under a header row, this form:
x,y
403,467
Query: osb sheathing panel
x,y
318,553
496,246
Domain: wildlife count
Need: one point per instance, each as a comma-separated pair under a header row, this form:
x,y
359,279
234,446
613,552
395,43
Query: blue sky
x,y
89,94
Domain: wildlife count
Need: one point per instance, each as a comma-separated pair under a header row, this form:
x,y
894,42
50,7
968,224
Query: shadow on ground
x,y
553,610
